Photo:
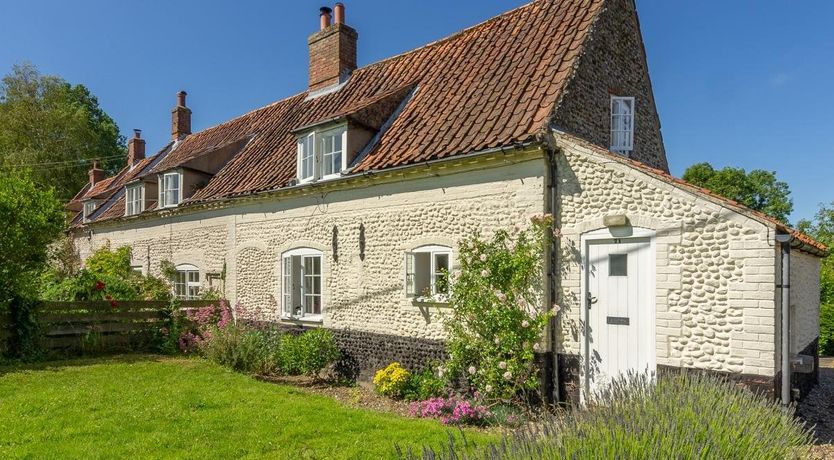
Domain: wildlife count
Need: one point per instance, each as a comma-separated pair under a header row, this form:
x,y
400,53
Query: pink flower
x,y
508,375
536,346
556,308
483,257
472,370
502,365
484,273
501,296
525,323
488,388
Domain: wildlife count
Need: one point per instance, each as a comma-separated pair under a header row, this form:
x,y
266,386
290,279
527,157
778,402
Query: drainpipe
x,y
553,268
785,286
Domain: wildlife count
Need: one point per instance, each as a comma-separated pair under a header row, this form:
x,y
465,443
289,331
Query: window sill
x,y
312,319
429,303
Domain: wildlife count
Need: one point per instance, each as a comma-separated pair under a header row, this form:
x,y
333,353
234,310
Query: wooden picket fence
x,y
100,325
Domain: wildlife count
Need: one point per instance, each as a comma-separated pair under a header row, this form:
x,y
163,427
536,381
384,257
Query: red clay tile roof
x,y
109,189
491,85
815,246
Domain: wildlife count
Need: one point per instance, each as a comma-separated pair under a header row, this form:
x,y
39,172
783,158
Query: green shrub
x,y
424,385
496,321
827,329
242,349
108,275
308,353
681,416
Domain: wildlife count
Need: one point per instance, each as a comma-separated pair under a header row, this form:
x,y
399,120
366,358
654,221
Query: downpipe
x,y
785,287
553,270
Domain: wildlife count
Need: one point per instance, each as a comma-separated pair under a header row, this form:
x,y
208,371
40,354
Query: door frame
x,y
608,233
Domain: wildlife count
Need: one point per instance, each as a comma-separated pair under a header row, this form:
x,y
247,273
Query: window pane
x,y
618,265
441,272
409,274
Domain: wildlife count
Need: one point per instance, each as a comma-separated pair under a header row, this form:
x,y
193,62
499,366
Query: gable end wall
x,y
715,269
613,63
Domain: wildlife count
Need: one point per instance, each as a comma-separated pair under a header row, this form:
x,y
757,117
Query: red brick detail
x,y
332,55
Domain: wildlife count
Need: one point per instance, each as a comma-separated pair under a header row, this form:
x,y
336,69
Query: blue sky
x,y
744,83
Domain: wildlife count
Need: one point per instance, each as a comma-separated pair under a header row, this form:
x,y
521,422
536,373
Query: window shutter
x,y
409,274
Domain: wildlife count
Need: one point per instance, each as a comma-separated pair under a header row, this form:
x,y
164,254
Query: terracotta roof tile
x,y
492,85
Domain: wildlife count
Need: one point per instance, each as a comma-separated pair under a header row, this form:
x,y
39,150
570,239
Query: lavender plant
x,y
680,416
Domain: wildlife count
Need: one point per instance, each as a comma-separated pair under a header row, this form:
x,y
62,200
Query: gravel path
x,y
818,409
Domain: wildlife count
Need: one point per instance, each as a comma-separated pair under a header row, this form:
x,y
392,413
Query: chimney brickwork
x,y
96,174
135,148
180,118
332,50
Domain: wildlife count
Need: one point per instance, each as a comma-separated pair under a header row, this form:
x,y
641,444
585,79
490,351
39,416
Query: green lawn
x,y
160,407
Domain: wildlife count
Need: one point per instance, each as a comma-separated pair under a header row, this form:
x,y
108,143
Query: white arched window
x,y
427,271
187,282
301,284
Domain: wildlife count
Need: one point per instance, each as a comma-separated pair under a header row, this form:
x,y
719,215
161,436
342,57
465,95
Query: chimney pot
x,y
332,51
325,17
180,118
137,133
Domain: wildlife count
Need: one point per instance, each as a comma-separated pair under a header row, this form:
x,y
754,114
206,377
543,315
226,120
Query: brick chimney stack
x,y
332,50
135,149
180,118
96,174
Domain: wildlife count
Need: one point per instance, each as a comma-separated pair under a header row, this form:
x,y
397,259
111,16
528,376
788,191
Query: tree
x,y
759,190
55,129
822,229
32,219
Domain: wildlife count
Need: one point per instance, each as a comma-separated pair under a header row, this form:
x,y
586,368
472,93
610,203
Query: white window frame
x,y
89,208
411,269
186,282
315,140
622,140
163,203
297,267
134,205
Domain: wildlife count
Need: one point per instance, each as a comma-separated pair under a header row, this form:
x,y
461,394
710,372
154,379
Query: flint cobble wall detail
x,y
362,291
715,269
613,64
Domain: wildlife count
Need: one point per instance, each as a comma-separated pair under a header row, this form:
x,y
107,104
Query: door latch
x,y
589,299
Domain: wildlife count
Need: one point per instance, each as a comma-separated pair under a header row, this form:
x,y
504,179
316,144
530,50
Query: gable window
x,y
301,284
321,155
89,208
134,199
186,282
622,124
427,272
170,194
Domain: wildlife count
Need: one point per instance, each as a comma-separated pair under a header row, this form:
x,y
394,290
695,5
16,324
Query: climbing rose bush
x,y
496,320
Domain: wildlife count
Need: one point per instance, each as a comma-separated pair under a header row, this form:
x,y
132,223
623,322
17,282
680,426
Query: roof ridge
x,y
455,34
384,60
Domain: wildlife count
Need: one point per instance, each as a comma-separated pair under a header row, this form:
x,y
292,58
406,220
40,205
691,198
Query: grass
x,y
161,407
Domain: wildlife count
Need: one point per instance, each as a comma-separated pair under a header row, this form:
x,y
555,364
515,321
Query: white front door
x,y
619,309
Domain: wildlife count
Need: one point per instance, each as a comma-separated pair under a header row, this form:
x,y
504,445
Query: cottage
x,y
338,206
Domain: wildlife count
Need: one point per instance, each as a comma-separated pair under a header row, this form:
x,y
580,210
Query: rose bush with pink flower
x,y
496,321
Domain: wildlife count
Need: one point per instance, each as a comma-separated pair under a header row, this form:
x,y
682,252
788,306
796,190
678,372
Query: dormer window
x,y
321,154
134,199
170,194
622,124
89,208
